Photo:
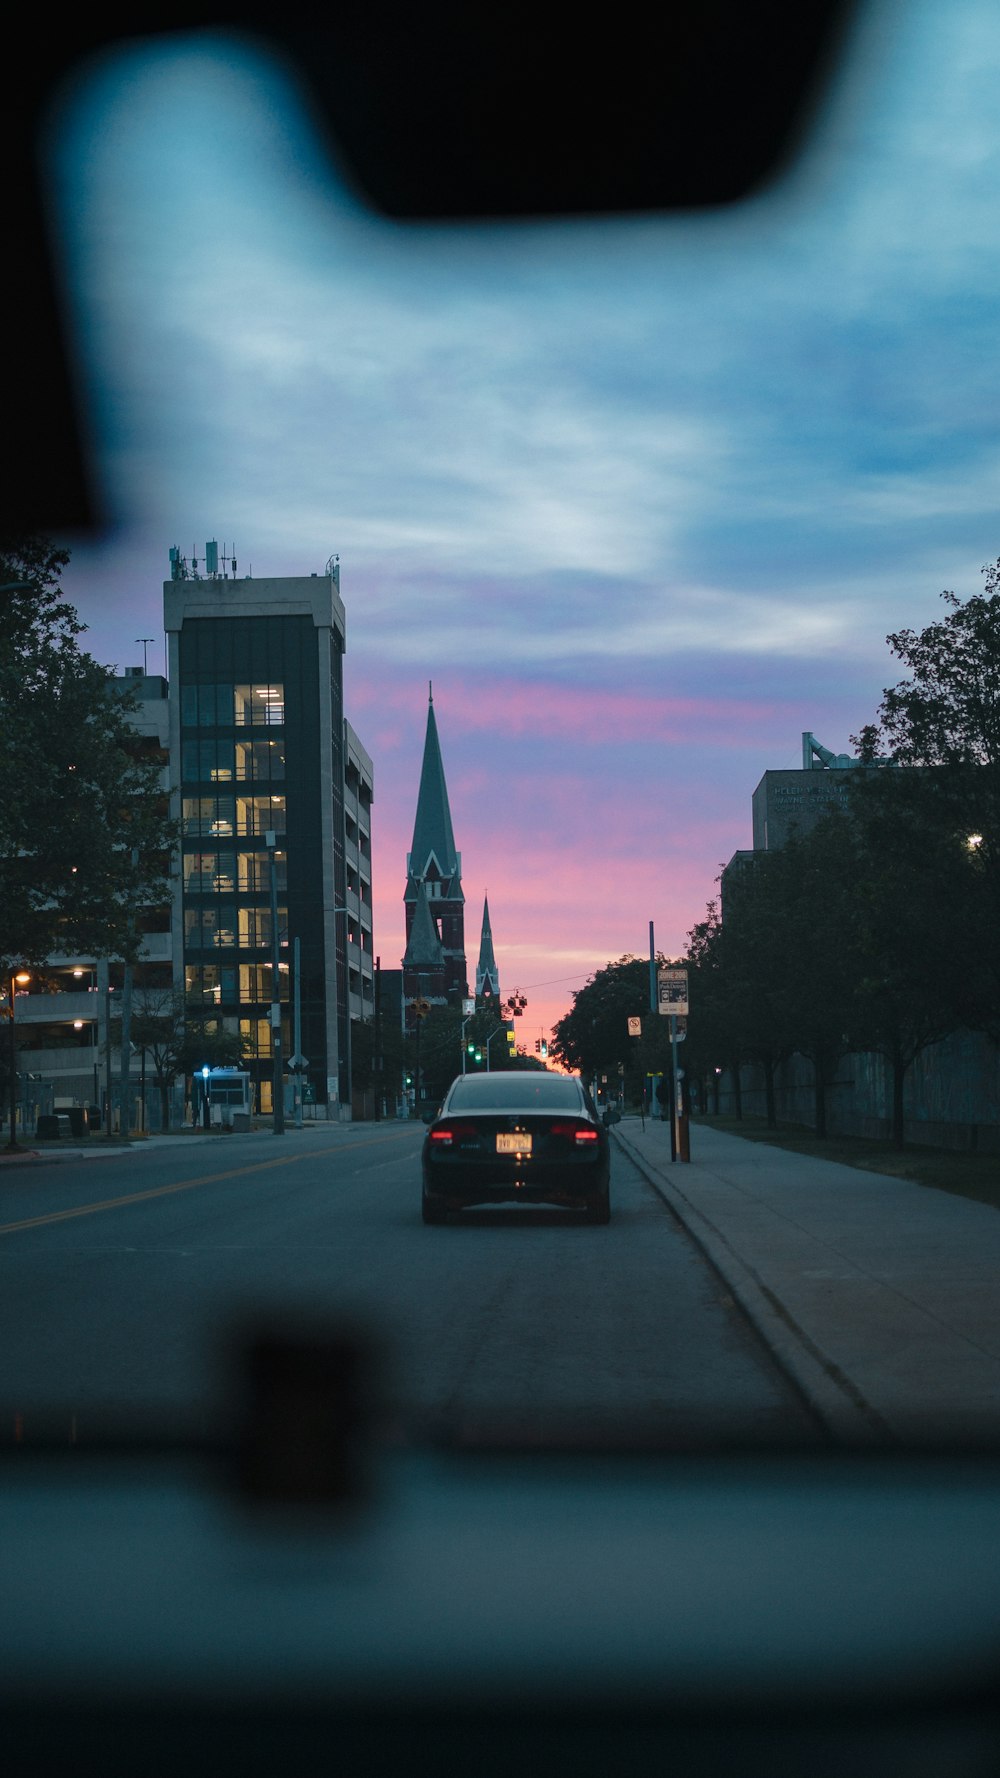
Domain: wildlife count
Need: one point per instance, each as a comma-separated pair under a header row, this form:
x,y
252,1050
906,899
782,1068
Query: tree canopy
x,y
85,838
948,712
875,931
593,1037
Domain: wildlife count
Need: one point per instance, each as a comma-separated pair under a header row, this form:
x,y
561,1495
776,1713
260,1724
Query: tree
x,y
774,976
592,1038
207,1043
718,1031
440,1045
907,890
85,838
948,713
943,722
158,1026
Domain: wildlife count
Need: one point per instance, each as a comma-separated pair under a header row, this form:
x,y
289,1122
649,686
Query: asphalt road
x,y
122,1278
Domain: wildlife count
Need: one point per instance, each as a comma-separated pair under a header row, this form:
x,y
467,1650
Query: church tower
x,y
434,966
487,973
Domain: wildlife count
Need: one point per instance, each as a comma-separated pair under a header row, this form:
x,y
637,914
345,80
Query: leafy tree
x,y
85,838
944,721
948,713
592,1038
808,888
206,1043
158,1026
717,1031
908,887
366,1074
774,976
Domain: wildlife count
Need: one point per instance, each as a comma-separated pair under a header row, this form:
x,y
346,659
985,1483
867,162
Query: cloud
x,y
642,498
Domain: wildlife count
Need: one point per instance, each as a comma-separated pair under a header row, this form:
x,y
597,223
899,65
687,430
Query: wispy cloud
x,y
642,498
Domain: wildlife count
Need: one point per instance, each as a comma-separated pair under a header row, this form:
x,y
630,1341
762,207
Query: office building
x,y
273,795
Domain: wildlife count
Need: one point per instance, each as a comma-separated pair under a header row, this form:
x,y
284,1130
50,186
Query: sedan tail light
x,y
444,1135
583,1134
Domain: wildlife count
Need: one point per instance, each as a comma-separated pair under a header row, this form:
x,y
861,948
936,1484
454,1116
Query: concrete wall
x,y
951,1099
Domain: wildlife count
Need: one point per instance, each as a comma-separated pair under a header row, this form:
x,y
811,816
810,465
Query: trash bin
x,y
79,1120
47,1128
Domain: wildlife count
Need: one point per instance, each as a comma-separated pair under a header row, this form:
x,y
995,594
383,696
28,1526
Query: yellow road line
x,y
165,1191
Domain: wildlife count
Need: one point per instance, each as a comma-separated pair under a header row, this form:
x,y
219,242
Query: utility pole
x,y
654,1078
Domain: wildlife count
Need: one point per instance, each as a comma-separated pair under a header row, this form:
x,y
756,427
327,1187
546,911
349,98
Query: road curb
x,y
835,1399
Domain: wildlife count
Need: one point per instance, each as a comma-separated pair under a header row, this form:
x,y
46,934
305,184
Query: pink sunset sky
x,y
643,497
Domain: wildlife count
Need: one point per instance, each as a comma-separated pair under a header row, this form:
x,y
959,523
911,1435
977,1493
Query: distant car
x,y
516,1137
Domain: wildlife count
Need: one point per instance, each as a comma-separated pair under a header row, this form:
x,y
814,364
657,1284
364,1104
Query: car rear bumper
x,y
453,1182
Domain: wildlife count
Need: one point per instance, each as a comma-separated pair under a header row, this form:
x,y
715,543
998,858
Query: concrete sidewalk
x,y
878,1296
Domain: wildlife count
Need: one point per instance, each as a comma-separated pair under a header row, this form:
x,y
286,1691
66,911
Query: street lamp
x,y
22,976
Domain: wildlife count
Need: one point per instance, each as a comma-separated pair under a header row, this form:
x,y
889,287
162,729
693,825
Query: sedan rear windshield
x,y
516,1092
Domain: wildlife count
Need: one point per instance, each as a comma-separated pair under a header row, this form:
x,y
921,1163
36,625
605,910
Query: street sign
x,y
635,1027
672,992
298,1064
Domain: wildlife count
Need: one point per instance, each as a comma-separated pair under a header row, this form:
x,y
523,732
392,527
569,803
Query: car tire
x,y
599,1207
432,1211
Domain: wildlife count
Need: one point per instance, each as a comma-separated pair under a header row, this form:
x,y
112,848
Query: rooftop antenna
x,y
144,640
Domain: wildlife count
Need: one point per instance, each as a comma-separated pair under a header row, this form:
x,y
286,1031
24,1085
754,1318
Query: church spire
x,y
434,967
424,950
487,974
432,855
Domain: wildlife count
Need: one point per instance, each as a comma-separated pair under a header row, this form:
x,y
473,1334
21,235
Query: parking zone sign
x,y
672,992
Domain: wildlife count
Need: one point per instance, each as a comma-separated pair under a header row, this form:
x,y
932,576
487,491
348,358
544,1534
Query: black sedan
x,y
516,1137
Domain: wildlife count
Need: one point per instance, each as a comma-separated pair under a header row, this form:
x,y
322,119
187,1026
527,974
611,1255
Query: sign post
x,y
672,1001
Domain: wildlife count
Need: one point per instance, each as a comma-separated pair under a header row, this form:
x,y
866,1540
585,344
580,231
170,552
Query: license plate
x,y
516,1144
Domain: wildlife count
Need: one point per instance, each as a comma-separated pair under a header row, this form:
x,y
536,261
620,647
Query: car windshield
x,y
503,609
525,1092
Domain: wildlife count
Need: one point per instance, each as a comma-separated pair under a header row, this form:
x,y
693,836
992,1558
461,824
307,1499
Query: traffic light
x,y
470,1047
545,1047
538,1046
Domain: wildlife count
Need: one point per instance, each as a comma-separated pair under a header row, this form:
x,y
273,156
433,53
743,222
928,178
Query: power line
x,y
556,982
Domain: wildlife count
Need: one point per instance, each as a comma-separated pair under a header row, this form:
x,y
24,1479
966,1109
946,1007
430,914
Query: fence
x,y
951,1095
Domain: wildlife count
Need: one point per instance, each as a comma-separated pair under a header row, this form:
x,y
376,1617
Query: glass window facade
x,y
261,674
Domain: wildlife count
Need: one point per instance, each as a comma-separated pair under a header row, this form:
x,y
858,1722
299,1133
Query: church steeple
x,y
432,855
423,948
435,904
487,973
